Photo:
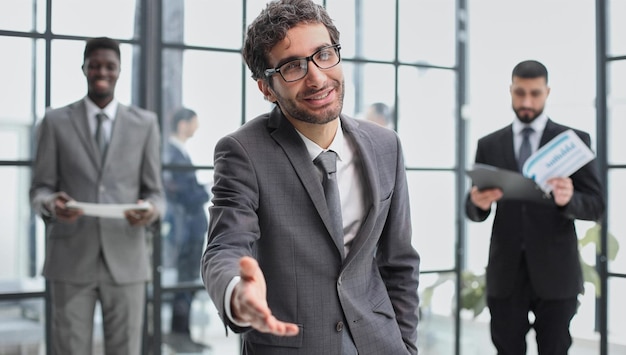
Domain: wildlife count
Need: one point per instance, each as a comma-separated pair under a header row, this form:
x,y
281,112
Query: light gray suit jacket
x,y
269,203
68,160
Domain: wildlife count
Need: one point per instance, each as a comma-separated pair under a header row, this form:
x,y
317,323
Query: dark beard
x,y
527,118
328,115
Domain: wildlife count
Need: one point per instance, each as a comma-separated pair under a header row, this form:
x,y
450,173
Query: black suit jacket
x,y
186,198
545,233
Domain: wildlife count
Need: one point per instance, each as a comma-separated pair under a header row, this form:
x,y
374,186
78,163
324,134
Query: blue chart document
x,y
561,157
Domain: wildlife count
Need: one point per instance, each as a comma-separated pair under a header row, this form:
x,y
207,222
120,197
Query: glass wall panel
x,y
367,28
211,86
254,100
254,7
115,18
367,84
616,221
432,213
436,327
616,102
207,328
477,245
17,88
68,83
616,324
616,45
427,32
583,325
19,15
426,116
210,23
21,252
22,325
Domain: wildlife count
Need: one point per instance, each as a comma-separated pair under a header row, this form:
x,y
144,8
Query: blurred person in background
x,y
187,220
97,150
380,113
533,257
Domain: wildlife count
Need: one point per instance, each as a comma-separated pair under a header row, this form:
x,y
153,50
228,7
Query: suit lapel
x,y
119,131
78,116
287,137
369,167
550,131
510,160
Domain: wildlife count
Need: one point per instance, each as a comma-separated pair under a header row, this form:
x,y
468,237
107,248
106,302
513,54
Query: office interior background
x,y
443,65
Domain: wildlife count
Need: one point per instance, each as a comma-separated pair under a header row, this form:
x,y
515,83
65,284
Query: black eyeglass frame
x,y
337,47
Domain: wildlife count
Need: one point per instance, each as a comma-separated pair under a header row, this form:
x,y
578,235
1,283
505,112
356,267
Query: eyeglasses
x,y
296,69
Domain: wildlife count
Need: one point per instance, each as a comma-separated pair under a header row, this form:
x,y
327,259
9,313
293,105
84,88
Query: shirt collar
x,y
178,144
337,145
92,109
538,124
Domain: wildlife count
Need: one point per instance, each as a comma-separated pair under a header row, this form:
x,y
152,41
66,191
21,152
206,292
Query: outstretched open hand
x,y
249,302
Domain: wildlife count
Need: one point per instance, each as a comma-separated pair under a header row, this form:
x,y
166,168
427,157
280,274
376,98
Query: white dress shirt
x,y
538,125
92,110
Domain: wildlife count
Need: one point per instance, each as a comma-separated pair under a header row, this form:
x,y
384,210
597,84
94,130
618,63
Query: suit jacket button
x,y
339,326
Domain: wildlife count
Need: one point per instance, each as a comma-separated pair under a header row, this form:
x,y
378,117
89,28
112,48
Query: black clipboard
x,y
514,185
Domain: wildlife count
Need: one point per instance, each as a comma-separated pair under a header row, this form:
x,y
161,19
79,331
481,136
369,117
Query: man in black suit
x,y
187,220
533,257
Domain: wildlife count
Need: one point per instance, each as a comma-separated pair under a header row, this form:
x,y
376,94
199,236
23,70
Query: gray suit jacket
x,y
68,160
269,203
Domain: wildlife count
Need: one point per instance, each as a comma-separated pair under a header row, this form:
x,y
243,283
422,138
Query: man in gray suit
x,y
88,258
274,265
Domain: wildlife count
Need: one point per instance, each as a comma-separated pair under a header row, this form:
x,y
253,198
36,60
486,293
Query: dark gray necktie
x,y
101,139
327,162
525,150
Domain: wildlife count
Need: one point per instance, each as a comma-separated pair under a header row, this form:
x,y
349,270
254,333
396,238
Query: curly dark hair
x,y
271,27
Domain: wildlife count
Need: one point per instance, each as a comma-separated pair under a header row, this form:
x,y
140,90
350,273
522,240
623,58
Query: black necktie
x,y
101,139
525,150
327,162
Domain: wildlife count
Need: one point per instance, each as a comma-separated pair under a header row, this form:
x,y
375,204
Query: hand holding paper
x,y
561,157
555,161
107,210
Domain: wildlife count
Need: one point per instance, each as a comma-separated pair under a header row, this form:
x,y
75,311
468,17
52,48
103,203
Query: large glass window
x,y
67,18
23,16
615,65
401,55
616,100
427,116
21,89
616,47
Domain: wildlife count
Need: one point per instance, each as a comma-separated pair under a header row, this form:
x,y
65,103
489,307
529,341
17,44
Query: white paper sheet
x,y
561,157
107,210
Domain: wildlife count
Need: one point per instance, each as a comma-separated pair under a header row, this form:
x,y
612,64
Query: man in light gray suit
x,y
88,258
274,265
